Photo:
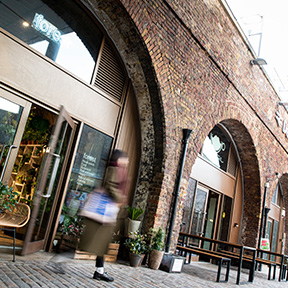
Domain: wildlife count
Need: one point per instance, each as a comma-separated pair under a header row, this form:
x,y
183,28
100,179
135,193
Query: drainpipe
x,y
262,214
186,135
282,193
262,222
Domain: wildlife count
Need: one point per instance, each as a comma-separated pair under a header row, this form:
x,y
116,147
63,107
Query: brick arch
x,y
121,30
251,181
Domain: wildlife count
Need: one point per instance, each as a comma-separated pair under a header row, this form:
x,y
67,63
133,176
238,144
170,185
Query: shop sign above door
x,y
46,28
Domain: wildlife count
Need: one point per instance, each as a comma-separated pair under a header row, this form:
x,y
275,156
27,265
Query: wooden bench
x,y
18,217
183,241
280,263
220,260
270,264
251,259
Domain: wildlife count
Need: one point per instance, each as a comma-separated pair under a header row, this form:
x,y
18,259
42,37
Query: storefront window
x,y
88,168
216,148
10,114
185,227
57,29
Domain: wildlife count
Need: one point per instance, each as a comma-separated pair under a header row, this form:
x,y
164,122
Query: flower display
x,y
72,226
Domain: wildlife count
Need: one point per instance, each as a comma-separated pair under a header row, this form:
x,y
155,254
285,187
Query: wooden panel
x,y
275,212
237,210
129,140
209,175
40,78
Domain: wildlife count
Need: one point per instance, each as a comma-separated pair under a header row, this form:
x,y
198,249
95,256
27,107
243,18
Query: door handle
x,y
53,176
2,152
7,158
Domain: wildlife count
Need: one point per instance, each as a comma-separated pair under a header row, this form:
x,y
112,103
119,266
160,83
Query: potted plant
x,y
71,228
8,198
156,248
133,222
137,246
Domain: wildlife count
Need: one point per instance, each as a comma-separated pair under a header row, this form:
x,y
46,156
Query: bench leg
x,y
251,272
220,262
190,257
227,270
282,272
269,272
239,270
274,271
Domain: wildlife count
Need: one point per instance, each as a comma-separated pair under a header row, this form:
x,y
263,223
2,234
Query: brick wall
x,y
196,71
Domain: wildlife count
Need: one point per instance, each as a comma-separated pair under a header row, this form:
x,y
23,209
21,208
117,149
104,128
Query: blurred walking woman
x,y
97,236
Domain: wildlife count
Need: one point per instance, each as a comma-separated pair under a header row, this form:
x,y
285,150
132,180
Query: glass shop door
x,y
199,211
14,113
49,184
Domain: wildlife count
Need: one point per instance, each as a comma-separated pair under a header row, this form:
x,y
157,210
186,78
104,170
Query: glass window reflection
x,y
60,31
10,114
88,168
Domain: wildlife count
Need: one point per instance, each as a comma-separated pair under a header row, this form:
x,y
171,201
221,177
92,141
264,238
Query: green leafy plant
x,y
157,237
137,244
134,213
8,198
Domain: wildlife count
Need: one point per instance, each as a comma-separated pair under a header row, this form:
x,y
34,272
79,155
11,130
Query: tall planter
x,y
155,258
132,227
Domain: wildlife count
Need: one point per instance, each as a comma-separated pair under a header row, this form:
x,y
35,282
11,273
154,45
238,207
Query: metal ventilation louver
x,y
109,77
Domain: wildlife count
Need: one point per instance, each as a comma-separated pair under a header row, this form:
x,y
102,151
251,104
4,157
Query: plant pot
x,y
136,259
155,258
133,226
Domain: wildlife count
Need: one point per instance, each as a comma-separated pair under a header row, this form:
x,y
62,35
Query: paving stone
x,y
38,273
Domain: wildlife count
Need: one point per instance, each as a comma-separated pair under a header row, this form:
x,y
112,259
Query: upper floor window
x,y
60,30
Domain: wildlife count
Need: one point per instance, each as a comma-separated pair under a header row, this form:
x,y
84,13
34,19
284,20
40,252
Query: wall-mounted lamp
x,y
258,61
25,24
283,103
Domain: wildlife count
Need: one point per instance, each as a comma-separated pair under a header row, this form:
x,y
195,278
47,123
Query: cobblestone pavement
x,y
37,271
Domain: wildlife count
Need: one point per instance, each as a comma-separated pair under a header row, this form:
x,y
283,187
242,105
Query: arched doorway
x,y
213,207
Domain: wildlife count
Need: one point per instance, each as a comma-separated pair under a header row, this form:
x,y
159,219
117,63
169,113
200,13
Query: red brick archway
x,y
251,181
